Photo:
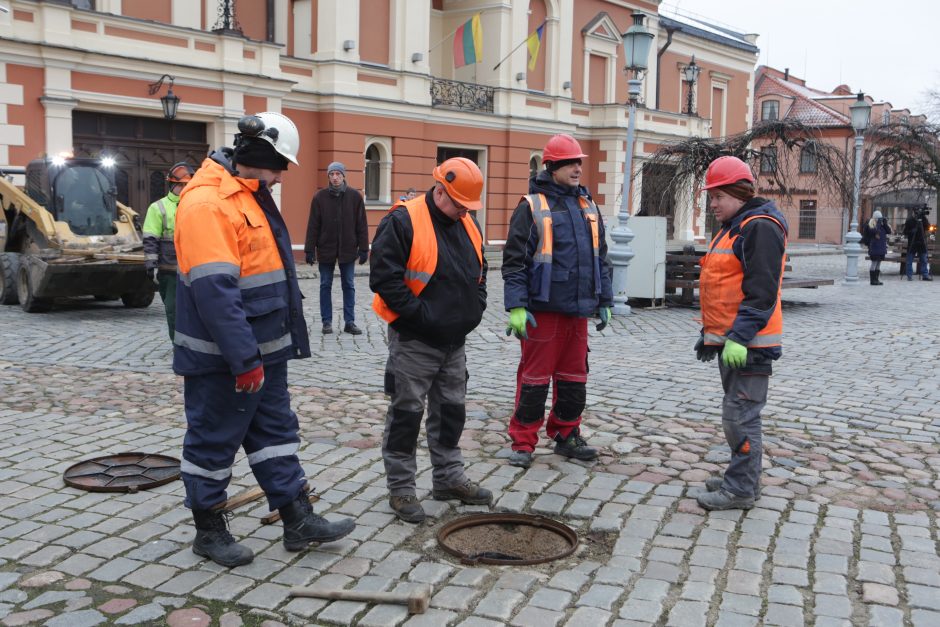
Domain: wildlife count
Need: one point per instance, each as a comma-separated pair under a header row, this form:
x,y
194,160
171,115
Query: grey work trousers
x,y
745,397
415,372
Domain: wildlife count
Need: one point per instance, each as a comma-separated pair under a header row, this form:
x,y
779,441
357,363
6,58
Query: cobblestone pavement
x,y
845,533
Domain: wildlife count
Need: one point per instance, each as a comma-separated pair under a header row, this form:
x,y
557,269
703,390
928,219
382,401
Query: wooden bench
x,y
683,270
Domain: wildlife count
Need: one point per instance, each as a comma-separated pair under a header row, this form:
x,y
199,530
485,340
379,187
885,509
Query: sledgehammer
x,y
417,601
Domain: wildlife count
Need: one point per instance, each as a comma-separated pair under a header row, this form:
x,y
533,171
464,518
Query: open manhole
x,y
519,539
123,472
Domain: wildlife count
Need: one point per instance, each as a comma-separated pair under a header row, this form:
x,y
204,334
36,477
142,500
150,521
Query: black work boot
x,y
574,446
713,484
302,526
214,541
873,277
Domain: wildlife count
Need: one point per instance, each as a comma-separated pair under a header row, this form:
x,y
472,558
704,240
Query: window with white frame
x,y
378,170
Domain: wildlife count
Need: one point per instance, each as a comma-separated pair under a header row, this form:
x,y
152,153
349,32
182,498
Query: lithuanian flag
x,y
468,42
534,44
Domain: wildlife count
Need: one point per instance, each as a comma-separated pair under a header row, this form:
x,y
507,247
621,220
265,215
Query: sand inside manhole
x,y
521,541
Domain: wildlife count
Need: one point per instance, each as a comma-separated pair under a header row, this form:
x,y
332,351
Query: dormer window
x,y
770,110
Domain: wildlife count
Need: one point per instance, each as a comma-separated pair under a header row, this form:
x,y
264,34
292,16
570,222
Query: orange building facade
x,y
370,83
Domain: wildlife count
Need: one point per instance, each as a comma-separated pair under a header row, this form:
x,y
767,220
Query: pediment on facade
x,y
602,26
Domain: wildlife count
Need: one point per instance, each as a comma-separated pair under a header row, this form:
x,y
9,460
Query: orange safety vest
x,y
720,292
422,261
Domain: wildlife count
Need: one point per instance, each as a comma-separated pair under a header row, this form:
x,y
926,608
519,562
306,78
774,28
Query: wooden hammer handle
x,y
417,602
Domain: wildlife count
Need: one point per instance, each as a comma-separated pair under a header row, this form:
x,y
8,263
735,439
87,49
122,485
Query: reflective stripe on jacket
x,y
422,260
542,260
720,291
237,298
158,228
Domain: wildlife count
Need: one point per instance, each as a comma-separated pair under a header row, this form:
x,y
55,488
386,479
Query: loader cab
x,y
78,191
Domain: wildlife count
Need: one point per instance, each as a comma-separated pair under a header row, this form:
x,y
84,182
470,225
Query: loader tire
x,y
9,265
137,300
24,290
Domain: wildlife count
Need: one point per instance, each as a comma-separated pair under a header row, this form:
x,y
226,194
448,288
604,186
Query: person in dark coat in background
x,y
876,232
915,230
337,231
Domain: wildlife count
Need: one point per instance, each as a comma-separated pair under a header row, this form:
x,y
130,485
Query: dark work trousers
x,y
219,420
416,371
166,280
745,397
347,275
556,352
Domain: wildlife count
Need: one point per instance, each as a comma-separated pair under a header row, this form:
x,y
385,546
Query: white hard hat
x,y
280,132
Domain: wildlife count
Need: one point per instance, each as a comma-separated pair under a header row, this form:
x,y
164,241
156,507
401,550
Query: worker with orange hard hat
x,y
159,250
556,275
739,290
429,277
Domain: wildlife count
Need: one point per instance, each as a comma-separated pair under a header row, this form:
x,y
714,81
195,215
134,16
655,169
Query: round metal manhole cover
x,y
123,472
519,539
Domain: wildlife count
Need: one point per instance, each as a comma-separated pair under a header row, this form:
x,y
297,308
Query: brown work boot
x,y
467,492
407,507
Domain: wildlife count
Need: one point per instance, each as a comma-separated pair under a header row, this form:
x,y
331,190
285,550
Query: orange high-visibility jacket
x,y
721,296
422,261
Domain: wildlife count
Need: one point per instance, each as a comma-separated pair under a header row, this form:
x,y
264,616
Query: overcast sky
x,y
889,50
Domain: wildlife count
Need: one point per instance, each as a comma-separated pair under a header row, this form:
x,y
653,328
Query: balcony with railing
x,y
452,94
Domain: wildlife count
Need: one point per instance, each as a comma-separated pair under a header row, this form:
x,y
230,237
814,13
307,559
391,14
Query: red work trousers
x,y
556,350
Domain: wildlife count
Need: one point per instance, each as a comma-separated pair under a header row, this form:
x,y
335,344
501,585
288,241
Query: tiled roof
x,y
808,104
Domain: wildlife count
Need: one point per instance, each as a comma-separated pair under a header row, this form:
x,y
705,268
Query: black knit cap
x,y
257,153
551,166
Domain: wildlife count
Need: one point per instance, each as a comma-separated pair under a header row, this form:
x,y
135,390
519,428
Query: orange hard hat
x,y
562,147
725,171
181,172
462,180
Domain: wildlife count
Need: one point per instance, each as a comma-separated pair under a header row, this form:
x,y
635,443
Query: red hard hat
x,y
462,180
562,147
725,171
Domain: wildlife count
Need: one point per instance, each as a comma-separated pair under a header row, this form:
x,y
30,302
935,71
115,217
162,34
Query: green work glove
x,y
733,355
518,317
604,313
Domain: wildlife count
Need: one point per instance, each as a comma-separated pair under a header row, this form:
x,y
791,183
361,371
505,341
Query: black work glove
x,y
363,256
152,273
311,259
703,352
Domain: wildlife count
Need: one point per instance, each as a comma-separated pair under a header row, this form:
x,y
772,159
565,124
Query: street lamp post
x,y
636,47
690,72
860,113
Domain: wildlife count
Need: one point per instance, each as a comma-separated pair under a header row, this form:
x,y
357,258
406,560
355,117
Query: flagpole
x,y
517,47
452,33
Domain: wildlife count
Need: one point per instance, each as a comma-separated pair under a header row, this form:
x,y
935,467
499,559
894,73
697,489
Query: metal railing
x,y
460,95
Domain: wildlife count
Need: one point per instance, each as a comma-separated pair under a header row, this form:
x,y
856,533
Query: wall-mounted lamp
x,y
566,85
348,45
520,76
417,57
170,102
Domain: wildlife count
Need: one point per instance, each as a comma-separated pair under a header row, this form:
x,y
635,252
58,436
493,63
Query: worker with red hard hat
x,y
556,275
429,277
742,321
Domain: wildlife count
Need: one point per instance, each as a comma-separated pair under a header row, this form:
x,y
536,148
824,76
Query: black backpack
x,y
866,236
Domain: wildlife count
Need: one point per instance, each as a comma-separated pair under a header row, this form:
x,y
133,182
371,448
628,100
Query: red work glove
x,y
250,381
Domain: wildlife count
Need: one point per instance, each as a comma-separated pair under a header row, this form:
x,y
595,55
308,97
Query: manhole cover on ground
x,y
123,472
519,539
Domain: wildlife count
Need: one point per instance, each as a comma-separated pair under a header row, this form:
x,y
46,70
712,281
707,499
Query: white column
x,y
182,14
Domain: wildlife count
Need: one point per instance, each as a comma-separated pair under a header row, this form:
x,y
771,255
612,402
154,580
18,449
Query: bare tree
x,y
905,154
773,148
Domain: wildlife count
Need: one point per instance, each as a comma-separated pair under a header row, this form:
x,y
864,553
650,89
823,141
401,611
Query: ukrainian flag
x,y
534,44
468,42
